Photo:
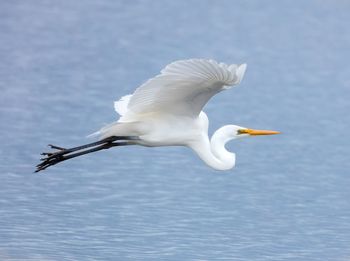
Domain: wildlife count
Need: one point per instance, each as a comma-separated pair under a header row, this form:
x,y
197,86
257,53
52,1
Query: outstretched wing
x,y
184,87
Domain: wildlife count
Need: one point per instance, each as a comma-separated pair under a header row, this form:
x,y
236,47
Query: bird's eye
x,y
241,131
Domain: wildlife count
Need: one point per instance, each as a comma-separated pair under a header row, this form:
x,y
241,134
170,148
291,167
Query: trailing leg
x,y
63,154
63,151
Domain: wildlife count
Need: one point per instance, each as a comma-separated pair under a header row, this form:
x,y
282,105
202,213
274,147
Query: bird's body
x,y
158,129
170,130
167,111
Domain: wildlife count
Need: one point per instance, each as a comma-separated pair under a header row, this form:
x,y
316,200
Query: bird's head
x,y
229,132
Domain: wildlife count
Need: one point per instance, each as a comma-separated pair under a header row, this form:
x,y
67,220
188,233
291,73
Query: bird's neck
x,y
214,153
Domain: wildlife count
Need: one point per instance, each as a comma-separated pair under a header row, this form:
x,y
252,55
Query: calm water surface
x,y
63,63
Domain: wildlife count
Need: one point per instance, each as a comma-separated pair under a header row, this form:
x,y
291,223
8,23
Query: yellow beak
x,y
258,132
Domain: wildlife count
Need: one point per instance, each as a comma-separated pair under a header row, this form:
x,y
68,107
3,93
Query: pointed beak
x,y
258,132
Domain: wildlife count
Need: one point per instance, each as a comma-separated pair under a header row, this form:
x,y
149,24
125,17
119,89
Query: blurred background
x,y
63,63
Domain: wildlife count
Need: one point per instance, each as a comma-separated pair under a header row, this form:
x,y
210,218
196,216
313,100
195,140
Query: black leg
x,y
65,154
63,151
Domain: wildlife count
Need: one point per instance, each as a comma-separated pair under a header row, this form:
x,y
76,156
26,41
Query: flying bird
x,y
167,111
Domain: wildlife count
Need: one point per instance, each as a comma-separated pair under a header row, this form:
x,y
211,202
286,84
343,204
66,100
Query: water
x,y
62,65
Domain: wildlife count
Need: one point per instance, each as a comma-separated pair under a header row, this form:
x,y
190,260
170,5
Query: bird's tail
x,y
94,135
119,129
102,131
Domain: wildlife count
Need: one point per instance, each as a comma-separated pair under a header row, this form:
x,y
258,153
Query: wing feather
x,y
121,106
183,87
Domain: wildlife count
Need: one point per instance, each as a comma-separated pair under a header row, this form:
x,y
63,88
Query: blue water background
x,y
63,63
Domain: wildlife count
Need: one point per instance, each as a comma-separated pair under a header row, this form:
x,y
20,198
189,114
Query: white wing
x,y
183,87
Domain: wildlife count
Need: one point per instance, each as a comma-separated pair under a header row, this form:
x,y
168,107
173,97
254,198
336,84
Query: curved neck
x,y
213,152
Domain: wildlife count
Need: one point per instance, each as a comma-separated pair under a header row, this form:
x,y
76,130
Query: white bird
x,y
167,111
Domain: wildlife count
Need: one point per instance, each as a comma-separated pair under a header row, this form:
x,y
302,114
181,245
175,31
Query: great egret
x,y
167,111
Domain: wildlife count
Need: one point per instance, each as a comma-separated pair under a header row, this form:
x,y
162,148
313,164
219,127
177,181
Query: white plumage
x,y
121,106
182,88
167,111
